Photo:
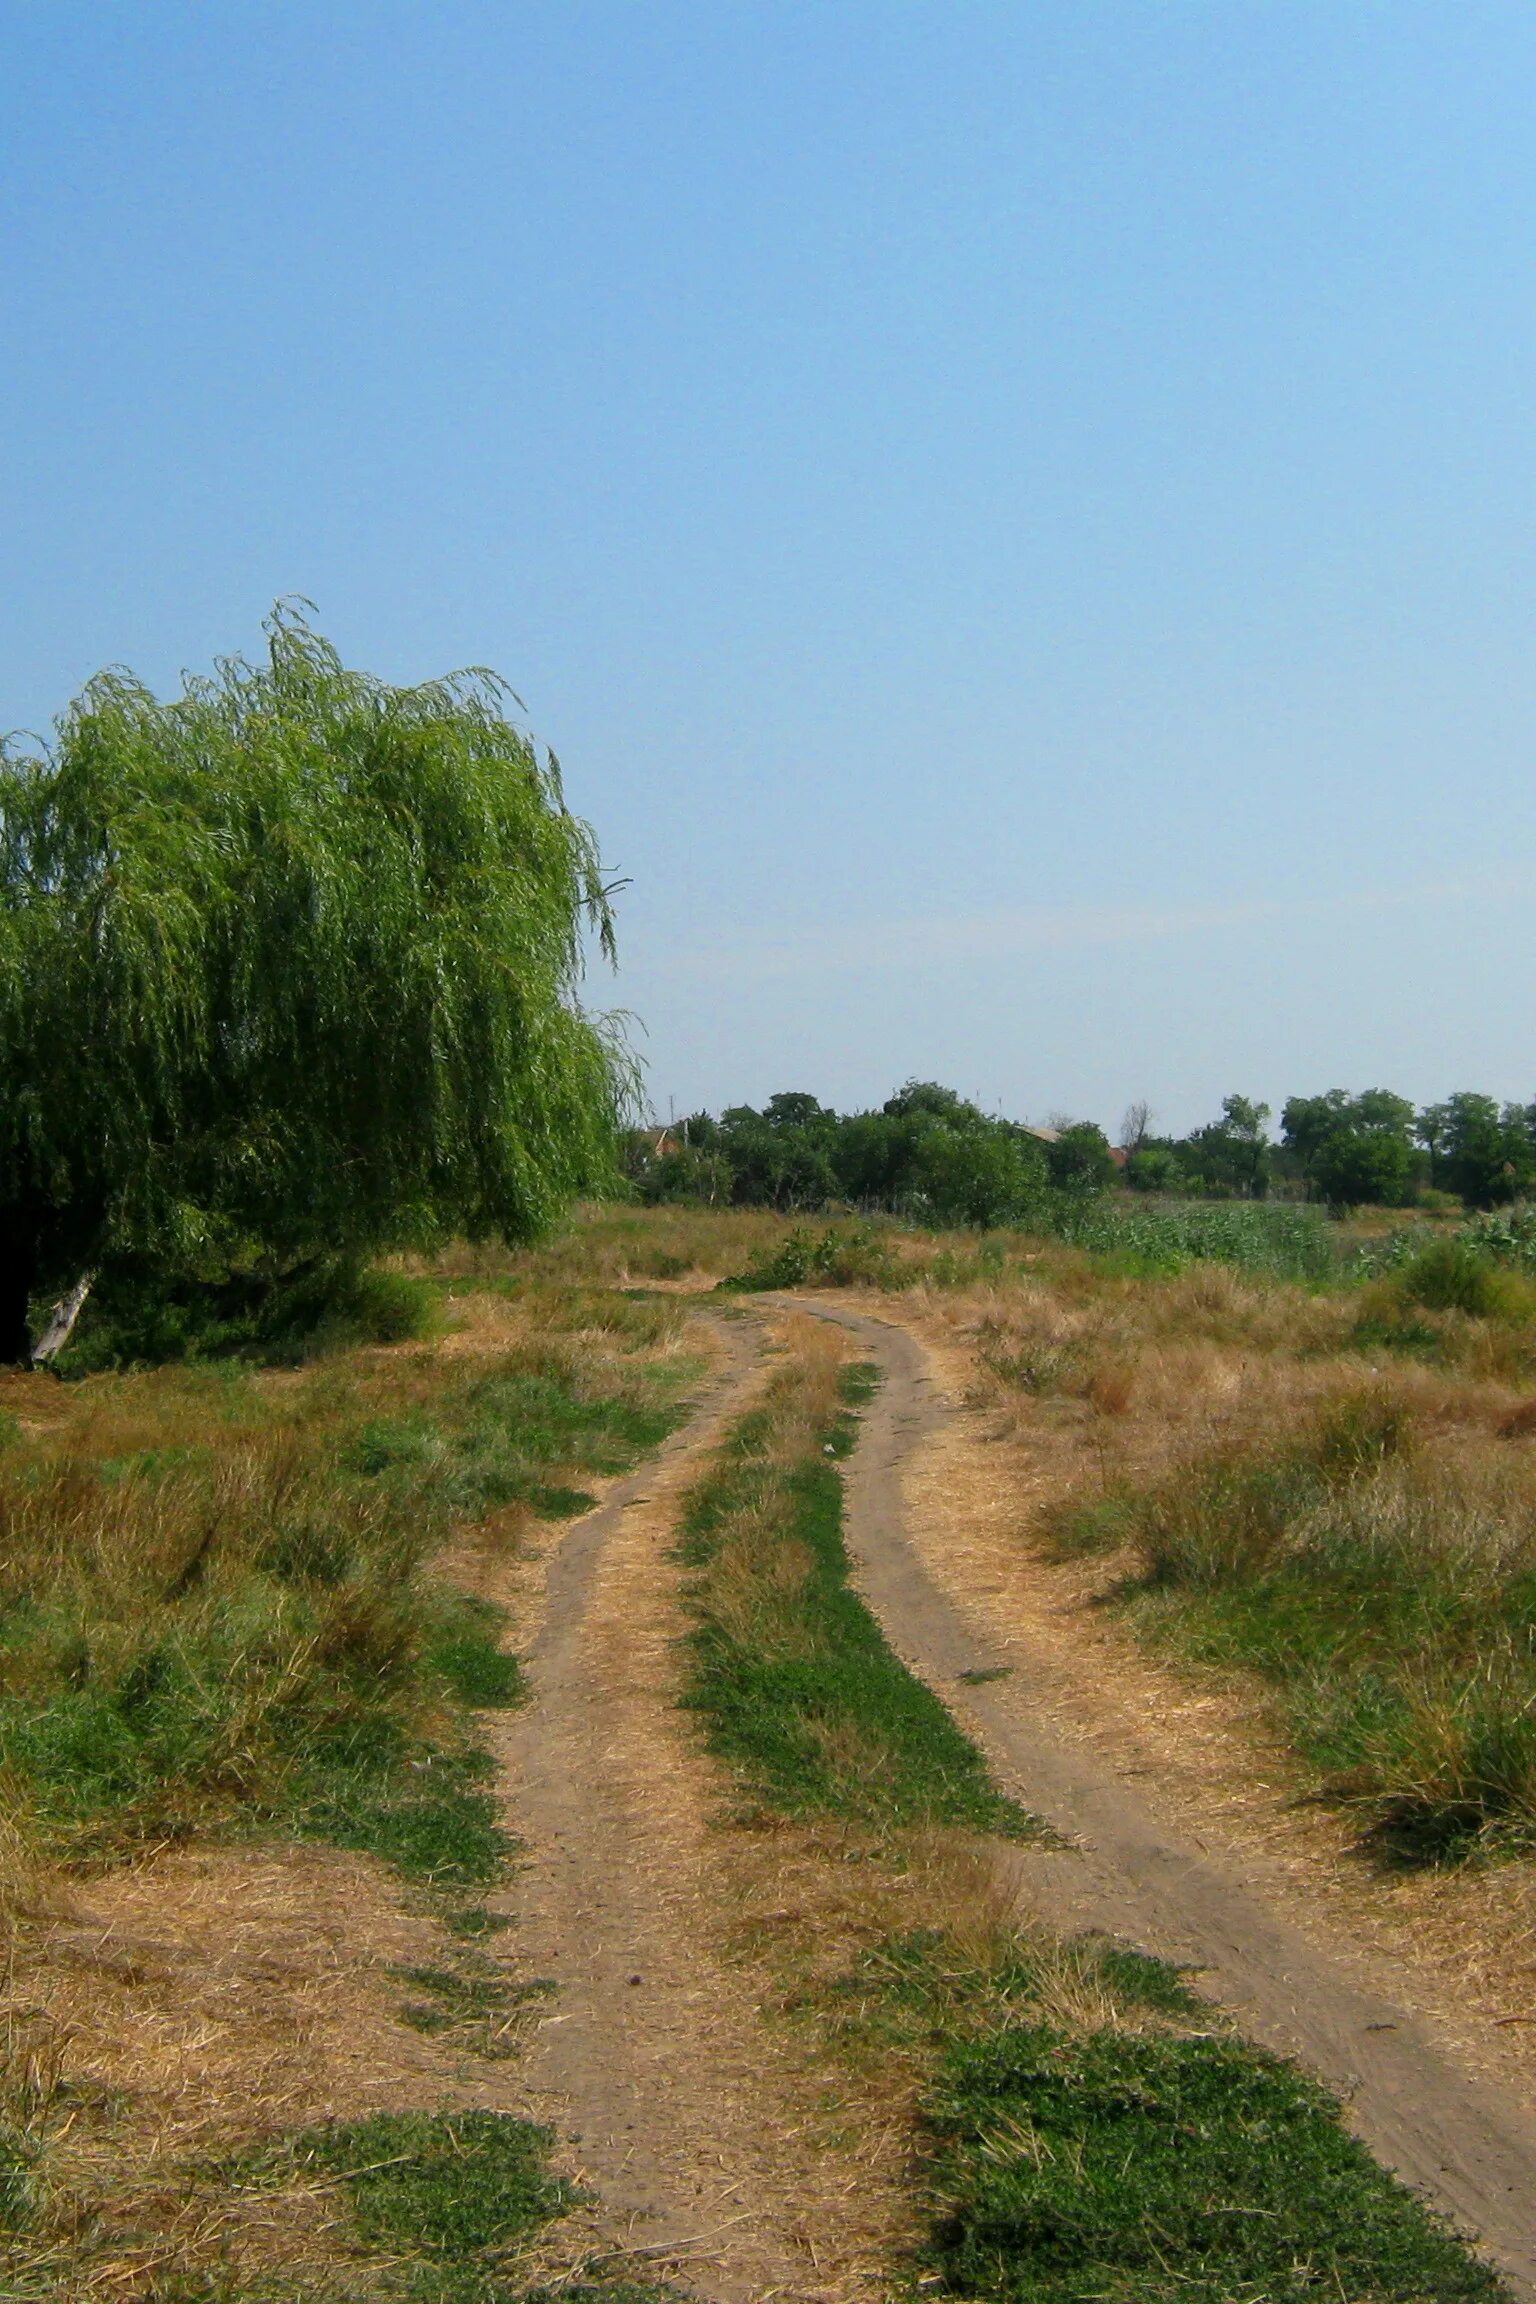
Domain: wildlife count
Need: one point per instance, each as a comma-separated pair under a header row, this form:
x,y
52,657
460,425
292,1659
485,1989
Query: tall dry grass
x,y
218,1590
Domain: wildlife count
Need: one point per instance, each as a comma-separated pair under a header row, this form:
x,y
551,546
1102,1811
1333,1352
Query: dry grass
x,y
625,1247
192,2005
174,1994
1155,1419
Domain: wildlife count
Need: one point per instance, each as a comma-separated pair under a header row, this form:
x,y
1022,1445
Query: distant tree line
x,y
1375,1149
929,1153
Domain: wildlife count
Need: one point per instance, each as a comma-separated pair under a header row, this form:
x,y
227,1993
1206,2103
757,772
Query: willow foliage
x,y
289,965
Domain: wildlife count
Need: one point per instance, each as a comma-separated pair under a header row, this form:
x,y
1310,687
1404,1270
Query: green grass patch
x,y
464,1649
789,1670
921,1990
447,2199
490,1440
441,2205
17,2156
1141,2154
427,1809
1159,2168
1135,2151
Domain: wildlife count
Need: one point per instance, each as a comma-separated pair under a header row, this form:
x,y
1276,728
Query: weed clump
x,y
1458,1275
848,1257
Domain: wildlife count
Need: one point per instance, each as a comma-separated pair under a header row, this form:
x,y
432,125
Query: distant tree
x,y
288,970
1135,1126
1232,1153
1432,1129
1080,1159
873,1155
775,1165
1488,1154
928,1096
793,1110
1154,1168
1357,1167
1353,1149
1306,1121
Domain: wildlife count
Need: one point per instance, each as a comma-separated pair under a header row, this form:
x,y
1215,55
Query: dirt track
x,y
693,2126
681,2109
1455,2137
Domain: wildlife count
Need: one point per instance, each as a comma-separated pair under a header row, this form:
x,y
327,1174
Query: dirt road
x,y
690,2119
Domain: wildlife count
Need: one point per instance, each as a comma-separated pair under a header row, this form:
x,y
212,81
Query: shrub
x,y
139,1317
856,1257
1455,1275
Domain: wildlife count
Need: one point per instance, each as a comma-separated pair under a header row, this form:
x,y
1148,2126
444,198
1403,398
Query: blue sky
x,y
1020,521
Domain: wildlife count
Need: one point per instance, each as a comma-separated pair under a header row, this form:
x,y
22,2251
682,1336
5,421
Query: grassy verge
x,y
1383,1589
217,1599
239,1613
1084,2127
788,1668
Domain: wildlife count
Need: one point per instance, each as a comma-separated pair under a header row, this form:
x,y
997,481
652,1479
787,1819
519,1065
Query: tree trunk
x,y
60,1324
18,1272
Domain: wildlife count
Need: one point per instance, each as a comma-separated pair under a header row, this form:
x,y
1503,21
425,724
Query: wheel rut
x,y
680,2112
1454,2137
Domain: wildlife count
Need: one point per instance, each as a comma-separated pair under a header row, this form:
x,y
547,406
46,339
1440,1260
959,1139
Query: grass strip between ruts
x,y
789,1669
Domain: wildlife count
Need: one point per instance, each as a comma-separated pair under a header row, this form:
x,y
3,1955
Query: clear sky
x,y
1019,520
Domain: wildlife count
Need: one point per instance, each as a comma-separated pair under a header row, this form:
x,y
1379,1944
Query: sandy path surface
x,y
1129,1868
693,2123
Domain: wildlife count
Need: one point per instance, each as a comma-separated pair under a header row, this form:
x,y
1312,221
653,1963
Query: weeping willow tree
x,y
289,968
